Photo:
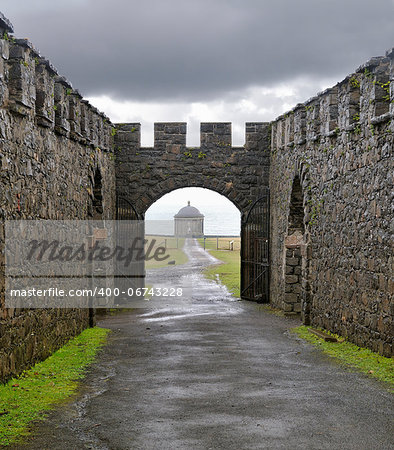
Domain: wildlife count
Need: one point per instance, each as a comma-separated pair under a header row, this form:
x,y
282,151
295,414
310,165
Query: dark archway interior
x,y
96,213
97,209
296,215
294,264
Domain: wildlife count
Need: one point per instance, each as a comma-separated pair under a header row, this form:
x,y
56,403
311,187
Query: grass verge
x,y
228,271
222,243
26,399
351,355
175,254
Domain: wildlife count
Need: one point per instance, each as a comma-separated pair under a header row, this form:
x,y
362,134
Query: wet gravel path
x,y
216,374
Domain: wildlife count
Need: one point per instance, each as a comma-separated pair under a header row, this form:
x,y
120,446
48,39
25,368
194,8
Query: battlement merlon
x,y
173,133
258,136
215,134
212,134
390,55
363,98
5,25
31,87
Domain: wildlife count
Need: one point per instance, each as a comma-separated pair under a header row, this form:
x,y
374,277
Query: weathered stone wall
x,y
329,168
330,255
52,144
340,146
143,175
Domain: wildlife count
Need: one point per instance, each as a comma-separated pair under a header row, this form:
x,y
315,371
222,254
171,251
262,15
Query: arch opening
x,y
295,263
96,213
221,215
211,220
223,191
96,208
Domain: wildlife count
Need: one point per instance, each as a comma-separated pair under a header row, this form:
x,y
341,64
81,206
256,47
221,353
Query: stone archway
x,y
297,285
96,206
294,242
144,174
241,174
96,214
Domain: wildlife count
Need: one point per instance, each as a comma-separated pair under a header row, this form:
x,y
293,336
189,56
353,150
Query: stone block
x,y
296,288
290,279
290,270
291,298
293,261
297,307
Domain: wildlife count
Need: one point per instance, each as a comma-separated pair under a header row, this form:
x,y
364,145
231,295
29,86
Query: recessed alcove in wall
x,y
97,200
293,250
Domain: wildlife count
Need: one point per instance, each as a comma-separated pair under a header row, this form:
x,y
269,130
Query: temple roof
x,y
188,212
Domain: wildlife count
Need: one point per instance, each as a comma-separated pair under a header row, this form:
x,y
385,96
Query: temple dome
x,y
188,212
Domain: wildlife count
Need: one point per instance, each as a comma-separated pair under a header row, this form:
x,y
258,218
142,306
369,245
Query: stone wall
x,y
329,173
143,175
329,168
338,146
53,146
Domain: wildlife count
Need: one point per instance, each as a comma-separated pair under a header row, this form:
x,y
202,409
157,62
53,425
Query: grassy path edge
x,y
27,398
362,359
228,270
359,358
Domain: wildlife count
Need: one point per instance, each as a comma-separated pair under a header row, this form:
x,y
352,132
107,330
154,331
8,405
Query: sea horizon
x,y
218,220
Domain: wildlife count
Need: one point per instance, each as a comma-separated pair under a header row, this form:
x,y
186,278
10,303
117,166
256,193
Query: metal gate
x,y
255,251
125,210
129,233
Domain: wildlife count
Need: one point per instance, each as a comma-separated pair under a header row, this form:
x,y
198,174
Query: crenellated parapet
x,y
52,141
31,87
362,99
331,167
212,134
56,163
390,56
144,174
327,163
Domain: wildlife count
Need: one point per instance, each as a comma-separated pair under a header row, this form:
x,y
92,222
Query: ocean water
x,y
219,220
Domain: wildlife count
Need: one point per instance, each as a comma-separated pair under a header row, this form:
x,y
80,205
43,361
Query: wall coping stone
x,y
51,68
390,53
371,63
5,24
63,80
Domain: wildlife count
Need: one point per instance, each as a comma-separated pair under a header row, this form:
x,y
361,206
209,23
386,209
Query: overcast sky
x,y
203,60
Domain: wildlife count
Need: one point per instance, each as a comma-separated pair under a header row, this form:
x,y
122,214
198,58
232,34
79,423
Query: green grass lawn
x,y
222,243
228,271
351,355
175,254
26,398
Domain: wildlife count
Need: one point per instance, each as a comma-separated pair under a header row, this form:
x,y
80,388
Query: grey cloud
x,y
198,50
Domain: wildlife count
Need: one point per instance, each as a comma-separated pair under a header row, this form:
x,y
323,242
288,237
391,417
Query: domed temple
x,y
189,222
